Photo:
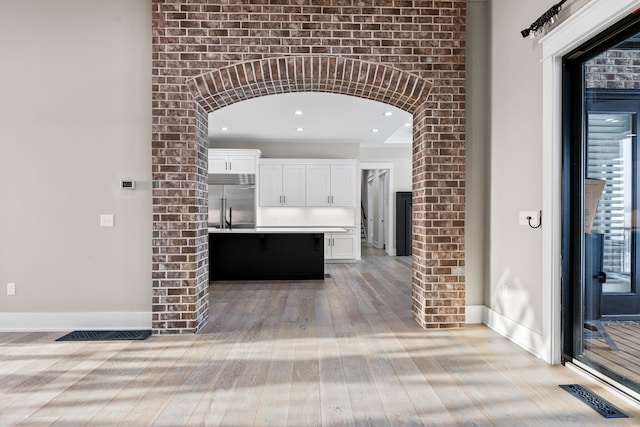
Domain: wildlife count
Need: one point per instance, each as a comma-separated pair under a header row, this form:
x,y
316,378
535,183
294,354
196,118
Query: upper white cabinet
x,y
331,185
307,182
233,161
282,184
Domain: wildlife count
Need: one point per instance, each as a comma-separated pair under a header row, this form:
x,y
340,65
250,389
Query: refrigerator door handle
x,y
223,209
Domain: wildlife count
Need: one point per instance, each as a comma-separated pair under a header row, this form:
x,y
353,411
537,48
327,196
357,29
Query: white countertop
x,y
280,230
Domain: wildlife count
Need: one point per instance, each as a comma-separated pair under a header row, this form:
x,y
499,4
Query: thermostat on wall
x,y
128,185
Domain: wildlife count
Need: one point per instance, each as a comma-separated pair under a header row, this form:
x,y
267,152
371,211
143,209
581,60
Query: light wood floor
x,y
338,352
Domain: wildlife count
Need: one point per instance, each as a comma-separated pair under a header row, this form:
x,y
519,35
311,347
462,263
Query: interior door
x,y
382,235
370,225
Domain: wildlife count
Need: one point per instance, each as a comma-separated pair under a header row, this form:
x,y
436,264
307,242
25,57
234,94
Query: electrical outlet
x,y
11,289
106,220
529,218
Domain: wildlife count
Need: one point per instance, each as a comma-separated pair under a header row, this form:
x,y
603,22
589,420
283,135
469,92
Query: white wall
x,y
400,157
75,119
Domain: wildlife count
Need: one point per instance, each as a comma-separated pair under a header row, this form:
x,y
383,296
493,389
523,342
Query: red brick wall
x,y
201,52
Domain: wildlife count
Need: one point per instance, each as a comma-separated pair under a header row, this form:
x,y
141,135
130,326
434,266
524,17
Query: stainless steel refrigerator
x,y
231,200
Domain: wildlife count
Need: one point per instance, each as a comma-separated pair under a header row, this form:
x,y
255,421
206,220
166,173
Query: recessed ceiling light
x,y
299,129
298,112
408,124
388,113
224,129
374,130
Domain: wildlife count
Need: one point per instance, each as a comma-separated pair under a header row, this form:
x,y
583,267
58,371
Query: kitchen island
x,y
268,253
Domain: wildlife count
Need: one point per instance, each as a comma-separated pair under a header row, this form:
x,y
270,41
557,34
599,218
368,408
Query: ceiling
x,y
311,117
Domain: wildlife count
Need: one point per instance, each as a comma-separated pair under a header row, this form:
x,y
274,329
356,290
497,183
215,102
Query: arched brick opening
x,y
180,302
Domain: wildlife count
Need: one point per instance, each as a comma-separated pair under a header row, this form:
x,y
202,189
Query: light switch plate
x,y
11,289
106,220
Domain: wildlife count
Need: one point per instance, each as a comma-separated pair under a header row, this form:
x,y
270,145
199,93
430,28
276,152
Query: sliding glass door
x,y
601,284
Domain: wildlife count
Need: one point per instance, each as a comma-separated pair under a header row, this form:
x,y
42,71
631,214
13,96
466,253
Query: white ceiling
x,y
324,118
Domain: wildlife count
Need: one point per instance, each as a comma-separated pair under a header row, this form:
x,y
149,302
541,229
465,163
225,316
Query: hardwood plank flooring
x,y
343,351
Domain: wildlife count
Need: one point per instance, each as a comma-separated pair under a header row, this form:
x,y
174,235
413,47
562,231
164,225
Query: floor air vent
x,y
327,276
105,335
605,408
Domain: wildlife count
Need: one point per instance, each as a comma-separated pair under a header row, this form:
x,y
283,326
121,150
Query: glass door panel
x,y
609,176
601,294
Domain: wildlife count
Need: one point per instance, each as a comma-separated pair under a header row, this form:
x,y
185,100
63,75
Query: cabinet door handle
x,y
229,165
284,199
331,199
280,199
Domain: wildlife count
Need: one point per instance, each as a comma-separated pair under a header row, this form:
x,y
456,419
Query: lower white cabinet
x,y
340,245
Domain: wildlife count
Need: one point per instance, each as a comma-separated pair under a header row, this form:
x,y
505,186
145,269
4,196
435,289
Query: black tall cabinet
x,y
403,222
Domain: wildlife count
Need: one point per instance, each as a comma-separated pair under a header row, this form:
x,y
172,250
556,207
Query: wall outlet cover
x,y
106,220
529,218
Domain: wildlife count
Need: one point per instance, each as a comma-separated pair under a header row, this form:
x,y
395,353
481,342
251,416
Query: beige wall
x,y
75,119
477,152
515,288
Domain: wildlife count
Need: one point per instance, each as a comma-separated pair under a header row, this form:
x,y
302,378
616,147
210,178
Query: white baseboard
x,y
531,341
40,322
474,314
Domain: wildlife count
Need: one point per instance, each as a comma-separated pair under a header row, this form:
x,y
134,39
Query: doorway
x,y
378,206
601,296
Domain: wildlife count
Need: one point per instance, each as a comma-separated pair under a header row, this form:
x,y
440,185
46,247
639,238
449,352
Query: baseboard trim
x,y
41,322
529,340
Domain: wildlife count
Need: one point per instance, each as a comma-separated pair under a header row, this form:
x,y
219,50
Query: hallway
x,y
343,351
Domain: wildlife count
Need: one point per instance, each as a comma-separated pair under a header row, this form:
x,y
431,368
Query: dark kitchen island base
x,y
269,256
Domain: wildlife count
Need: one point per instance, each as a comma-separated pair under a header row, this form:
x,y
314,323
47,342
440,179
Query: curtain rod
x,y
545,19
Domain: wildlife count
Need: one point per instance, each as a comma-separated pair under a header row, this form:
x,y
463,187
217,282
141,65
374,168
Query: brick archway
x,y
180,269
331,74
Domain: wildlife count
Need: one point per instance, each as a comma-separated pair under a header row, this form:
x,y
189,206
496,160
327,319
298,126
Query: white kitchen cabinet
x,y
331,185
340,245
232,161
282,184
